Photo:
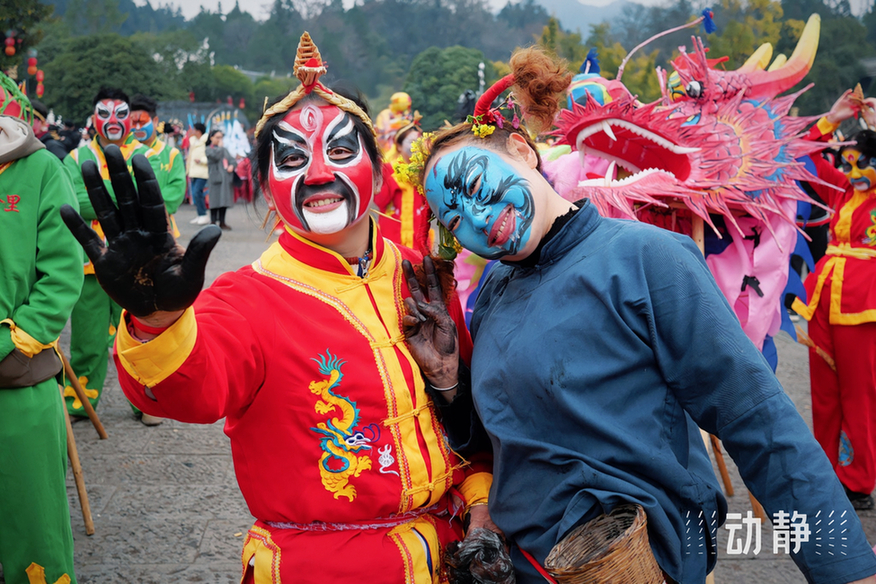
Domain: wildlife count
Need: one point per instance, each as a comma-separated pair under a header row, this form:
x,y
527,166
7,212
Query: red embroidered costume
x,y
842,324
331,429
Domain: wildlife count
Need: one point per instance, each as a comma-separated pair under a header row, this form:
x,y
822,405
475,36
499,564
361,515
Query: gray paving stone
x,y
215,573
99,497
170,539
207,501
221,542
155,469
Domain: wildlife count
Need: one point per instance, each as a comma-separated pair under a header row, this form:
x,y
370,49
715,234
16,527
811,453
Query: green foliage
x,y
83,64
26,18
439,76
380,46
94,16
837,65
748,25
566,45
271,87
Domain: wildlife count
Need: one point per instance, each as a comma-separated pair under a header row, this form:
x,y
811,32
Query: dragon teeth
x,y
605,126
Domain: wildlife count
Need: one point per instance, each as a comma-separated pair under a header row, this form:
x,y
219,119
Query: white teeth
x,y
609,182
609,174
501,228
682,150
322,203
605,126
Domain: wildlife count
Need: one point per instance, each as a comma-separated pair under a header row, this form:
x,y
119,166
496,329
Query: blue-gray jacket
x,y
591,372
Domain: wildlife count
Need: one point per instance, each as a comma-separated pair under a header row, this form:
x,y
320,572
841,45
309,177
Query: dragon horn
x,y
780,60
758,60
772,83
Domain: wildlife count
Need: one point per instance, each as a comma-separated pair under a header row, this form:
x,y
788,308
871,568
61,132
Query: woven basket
x,y
611,548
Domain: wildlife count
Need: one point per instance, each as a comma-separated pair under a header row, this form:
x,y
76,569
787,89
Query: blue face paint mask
x,y
144,132
482,200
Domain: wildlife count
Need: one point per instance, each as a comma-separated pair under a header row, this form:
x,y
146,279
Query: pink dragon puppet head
x,y
716,141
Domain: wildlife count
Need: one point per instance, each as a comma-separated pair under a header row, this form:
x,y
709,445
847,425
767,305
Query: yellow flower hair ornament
x,y
410,172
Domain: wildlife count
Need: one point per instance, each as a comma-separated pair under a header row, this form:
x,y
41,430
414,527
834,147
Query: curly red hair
x,y
539,83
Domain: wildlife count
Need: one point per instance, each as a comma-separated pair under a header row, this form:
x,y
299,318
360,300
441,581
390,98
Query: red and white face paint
x,y
112,119
321,176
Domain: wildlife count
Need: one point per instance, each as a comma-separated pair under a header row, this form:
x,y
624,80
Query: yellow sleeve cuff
x,y
476,488
24,342
153,362
826,127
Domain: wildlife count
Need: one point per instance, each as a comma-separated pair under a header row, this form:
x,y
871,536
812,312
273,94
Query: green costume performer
x,y
170,171
42,277
95,316
168,163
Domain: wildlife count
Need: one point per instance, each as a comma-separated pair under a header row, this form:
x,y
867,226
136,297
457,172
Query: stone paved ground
x,y
165,501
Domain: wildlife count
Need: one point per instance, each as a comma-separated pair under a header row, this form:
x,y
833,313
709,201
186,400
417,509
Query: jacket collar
x,y
325,259
579,227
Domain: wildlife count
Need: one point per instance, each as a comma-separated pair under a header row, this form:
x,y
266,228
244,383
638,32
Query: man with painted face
x,y
337,446
95,316
841,307
601,347
170,168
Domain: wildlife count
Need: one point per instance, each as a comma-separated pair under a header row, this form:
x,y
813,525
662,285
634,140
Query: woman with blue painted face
x,y
600,348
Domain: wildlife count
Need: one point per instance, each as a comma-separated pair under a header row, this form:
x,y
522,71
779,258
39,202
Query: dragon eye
x,y
694,89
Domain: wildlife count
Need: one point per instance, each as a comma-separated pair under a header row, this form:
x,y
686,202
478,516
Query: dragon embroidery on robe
x,y
719,145
341,439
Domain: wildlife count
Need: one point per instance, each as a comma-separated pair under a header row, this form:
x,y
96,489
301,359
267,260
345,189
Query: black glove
x,y
141,268
481,558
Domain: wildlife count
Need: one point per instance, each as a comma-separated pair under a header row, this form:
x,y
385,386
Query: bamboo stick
x,y
80,391
73,454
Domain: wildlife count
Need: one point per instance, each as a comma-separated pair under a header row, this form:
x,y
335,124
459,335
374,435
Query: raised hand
x,y
142,267
845,107
429,331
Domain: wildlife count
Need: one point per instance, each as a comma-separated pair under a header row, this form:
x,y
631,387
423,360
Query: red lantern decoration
x,y
32,62
31,71
10,50
40,76
40,89
242,103
192,96
10,46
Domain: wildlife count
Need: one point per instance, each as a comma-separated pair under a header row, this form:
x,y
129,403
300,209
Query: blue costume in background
x,y
592,370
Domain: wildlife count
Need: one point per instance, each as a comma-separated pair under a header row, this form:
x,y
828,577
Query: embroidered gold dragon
x,y
341,439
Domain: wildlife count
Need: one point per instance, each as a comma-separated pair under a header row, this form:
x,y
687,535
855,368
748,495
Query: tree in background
x,y
439,76
746,26
93,16
83,64
25,17
374,44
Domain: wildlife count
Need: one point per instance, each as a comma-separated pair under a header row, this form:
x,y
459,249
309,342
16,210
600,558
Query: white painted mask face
x,y
321,176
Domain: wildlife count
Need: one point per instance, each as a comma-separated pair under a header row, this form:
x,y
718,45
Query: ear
x,y
520,148
269,199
